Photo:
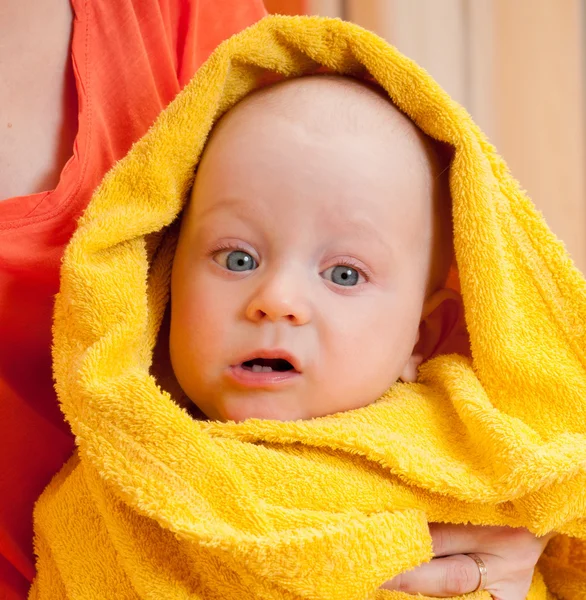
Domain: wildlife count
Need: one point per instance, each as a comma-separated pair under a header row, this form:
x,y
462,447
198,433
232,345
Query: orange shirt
x,y
130,59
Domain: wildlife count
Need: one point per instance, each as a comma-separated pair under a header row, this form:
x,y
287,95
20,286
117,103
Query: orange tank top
x,y
130,58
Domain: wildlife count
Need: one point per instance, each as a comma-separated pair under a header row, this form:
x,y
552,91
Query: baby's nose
x,y
278,298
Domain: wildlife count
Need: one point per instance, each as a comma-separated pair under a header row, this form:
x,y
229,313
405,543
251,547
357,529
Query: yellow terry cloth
x,y
159,505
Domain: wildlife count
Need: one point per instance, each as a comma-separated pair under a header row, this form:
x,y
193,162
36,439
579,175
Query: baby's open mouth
x,y
267,365
266,369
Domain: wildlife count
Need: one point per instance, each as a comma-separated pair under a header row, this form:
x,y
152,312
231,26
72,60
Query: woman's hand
x,y
510,556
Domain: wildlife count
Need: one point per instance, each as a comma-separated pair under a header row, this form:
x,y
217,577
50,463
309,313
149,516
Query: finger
x,y
451,539
442,577
507,542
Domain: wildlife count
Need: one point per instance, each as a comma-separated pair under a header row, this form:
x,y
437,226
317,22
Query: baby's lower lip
x,y
262,379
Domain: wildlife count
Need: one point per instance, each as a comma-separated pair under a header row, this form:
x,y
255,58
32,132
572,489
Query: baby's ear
x,y
441,313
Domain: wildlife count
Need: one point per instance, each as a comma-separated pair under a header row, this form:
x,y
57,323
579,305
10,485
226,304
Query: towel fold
x,y
156,504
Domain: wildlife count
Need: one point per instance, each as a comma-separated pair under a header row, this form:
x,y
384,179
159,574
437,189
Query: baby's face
x,y
301,271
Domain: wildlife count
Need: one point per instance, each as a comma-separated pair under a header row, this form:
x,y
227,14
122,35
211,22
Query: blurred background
x,y
519,68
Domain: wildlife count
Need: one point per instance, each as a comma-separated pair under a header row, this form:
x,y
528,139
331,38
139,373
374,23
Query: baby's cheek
x,y
194,318
382,343
201,322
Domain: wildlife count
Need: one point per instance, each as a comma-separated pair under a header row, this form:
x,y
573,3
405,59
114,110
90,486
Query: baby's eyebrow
x,y
362,226
347,226
243,211
229,203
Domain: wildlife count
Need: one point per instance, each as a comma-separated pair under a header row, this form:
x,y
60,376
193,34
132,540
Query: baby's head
x,y
310,269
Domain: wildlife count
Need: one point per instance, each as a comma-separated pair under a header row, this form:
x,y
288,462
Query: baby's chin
x,y
258,406
260,410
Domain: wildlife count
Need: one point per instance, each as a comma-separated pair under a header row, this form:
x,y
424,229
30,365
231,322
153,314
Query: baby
x,y
311,265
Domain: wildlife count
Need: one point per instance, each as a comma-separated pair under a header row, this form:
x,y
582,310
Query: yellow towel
x,y
158,505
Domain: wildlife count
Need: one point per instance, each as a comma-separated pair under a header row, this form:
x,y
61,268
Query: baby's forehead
x,y
328,104
325,107
290,119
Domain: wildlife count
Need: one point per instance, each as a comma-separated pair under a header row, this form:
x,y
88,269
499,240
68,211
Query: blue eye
x,y
236,260
342,275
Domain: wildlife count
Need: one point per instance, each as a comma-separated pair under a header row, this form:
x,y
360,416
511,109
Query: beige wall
x,y
518,67
539,102
325,8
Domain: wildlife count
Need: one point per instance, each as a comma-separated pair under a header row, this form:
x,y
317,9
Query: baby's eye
x,y
343,275
236,260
